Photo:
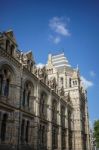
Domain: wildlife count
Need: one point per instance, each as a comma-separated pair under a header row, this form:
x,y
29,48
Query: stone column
x,y
67,145
17,127
59,123
36,118
49,116
1,117
67,132
73,133
37,100
49,137
59,138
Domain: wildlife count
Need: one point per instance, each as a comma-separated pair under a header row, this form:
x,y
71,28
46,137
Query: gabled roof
x,y
10,35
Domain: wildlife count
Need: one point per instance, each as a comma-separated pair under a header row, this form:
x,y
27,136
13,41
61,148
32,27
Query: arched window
x,y
75,82
27,91
3,127
5,82
6,78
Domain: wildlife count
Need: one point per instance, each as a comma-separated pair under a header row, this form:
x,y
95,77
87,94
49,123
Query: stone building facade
x,y
40,108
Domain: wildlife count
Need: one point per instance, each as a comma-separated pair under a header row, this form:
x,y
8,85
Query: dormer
x,y
8,42
28,60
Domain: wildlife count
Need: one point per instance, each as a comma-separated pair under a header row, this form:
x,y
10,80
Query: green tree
x,y
96,132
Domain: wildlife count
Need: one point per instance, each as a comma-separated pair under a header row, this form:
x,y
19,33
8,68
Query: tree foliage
x,y
96,132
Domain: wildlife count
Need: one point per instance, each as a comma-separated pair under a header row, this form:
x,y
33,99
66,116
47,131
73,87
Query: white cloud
x,y
92,73
86,82
55,39
40,65
59,26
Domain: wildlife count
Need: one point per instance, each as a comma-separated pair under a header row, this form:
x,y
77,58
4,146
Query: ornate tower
x,y
68,78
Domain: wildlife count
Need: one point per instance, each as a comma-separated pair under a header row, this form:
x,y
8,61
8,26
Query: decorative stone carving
x,y
62,91
35,71
42,74
52,83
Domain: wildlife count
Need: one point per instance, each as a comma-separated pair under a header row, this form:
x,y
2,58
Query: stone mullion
x,y
37,113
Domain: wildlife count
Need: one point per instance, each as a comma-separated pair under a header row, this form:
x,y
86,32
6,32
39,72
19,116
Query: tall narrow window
x,y
63,116
61,79
7,45
3,127
54,112
6,89
28,98
1,82
24,93
12,50
69,82
42,134
31,65
22,130
63,138
43,137
42,105
27,132
54,137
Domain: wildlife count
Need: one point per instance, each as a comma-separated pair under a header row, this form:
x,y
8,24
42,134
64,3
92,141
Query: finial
x,y
77,67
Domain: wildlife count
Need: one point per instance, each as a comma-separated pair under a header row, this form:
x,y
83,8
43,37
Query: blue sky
x,y
54,26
